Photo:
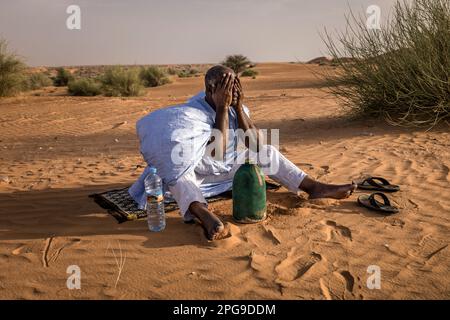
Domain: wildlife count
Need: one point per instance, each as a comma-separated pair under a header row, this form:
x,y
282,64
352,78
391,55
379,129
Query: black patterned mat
x,y
122,206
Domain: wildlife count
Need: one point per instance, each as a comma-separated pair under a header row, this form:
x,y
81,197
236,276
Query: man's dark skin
x,y
226,92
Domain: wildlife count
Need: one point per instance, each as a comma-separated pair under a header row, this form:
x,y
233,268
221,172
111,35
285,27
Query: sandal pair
x,y
371,202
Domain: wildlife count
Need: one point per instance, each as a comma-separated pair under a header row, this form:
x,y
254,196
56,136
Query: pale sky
x,y
173,31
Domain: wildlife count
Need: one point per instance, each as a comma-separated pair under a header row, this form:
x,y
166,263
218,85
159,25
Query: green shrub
x,y
237,62
62,77
400,72
38,80
249,73
120,82
172,71
12,78
153,76
84,87
188,72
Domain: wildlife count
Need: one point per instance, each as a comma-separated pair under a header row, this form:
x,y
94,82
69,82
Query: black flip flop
x,y
378,184
371,203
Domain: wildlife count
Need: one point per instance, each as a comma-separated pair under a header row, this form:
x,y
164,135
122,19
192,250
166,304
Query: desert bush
x,y
120,82
153,76
237,62
400,72
38,80
172,71
249,73
84,87
62,77
188,72
12,78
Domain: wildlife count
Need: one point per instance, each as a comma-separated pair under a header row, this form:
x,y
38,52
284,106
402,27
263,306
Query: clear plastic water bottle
x,y
156,217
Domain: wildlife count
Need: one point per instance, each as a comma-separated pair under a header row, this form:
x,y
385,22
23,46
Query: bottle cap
x,y
152,170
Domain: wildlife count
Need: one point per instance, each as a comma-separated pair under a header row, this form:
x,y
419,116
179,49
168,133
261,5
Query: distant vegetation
x,y
240,65
121,82
321,61
237,62
38,80
118,81
188,72
153,76
12,78
62,77
400,72
171,71
249,73
84,87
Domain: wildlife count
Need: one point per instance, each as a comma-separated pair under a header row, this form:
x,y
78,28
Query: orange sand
x,y
58,149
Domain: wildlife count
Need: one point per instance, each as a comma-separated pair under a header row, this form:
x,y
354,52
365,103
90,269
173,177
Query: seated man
x,y
176,141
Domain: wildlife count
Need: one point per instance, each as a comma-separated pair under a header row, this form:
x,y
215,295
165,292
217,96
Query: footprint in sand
x,y
284,199
325,170
337,286
428,247
335,232
263,266
349,280
274,210
263,236
294,266
395,222
257,261
272,234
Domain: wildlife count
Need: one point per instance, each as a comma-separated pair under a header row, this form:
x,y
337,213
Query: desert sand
x,y
57,149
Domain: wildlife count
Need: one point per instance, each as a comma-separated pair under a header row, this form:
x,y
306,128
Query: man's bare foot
x,y
214,228
333,191
317,190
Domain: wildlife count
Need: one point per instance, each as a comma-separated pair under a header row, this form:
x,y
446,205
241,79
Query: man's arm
x,y
222,97
221,124
244,122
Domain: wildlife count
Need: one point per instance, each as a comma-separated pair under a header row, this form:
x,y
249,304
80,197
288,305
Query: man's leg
x,y
192,204
279,168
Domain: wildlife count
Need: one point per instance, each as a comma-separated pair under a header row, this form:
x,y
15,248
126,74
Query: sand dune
x,y
58,149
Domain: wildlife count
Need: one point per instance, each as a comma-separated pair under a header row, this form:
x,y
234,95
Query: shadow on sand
x,y
38,214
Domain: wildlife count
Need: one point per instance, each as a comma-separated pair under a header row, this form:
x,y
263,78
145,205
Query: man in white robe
x,y
194,147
